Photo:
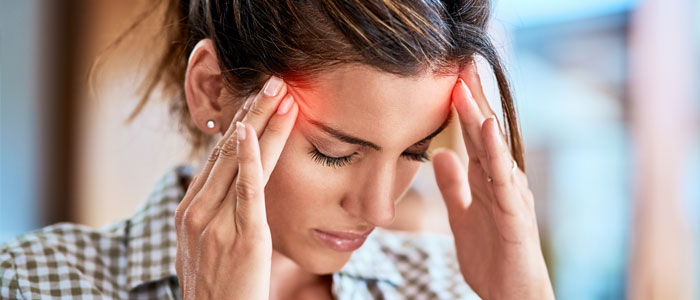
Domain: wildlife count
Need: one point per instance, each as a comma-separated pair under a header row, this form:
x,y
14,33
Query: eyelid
x,y
336,162
330,161
421,146
336,157
421,157
422,142
362,148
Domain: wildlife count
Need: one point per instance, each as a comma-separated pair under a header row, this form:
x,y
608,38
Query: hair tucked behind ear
x,y
297,39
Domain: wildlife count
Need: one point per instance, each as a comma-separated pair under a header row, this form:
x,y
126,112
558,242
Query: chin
x,y
322,265
313,258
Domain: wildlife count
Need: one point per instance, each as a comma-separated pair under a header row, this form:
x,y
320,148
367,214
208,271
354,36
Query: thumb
x,y
452,180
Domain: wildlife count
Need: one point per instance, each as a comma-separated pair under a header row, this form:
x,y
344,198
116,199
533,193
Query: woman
x,y
326,109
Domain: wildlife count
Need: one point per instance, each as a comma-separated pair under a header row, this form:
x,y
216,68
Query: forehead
x,y
377,106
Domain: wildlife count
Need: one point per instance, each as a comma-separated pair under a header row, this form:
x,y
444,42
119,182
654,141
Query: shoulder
x,y
118,261
62,259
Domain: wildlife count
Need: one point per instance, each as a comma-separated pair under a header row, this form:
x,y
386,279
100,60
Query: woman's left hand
x,y
493,221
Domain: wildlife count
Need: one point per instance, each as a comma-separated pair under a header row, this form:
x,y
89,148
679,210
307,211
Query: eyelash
x,y
337,162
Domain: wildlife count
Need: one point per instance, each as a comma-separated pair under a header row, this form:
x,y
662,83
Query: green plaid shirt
x,y
135,259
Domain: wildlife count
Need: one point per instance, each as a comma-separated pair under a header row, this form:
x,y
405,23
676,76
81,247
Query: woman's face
x,y
379,123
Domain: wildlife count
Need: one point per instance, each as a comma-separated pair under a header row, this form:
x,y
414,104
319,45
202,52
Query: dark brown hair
x,y
295,39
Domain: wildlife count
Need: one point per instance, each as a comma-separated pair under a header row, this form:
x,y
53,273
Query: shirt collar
x,y
152,242
372,261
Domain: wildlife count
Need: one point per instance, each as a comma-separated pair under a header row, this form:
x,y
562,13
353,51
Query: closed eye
x,y
337,162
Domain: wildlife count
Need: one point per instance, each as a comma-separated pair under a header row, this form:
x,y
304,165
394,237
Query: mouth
x,y
341,241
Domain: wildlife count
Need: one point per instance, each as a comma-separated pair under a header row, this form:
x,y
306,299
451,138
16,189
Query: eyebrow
x,y
347,138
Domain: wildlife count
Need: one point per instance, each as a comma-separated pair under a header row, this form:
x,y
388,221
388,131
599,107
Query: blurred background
x,y
607,92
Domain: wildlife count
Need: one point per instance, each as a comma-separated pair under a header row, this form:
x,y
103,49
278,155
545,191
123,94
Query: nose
x,y
372,199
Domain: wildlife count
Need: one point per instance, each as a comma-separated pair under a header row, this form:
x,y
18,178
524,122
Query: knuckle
x,y
214,155
502,183
257,110
246,189
192,221
179,213
228,149
482,155
274,129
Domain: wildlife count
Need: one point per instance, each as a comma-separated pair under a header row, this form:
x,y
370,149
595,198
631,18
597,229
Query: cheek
x,y
299,188
405,173
300,196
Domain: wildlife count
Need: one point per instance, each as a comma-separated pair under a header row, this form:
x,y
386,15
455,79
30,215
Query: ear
x,y
203,87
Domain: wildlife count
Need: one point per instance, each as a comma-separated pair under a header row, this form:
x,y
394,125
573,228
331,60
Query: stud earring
x,y
210,124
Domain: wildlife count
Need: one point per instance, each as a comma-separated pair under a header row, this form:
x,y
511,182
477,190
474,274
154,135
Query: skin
x,y
257,199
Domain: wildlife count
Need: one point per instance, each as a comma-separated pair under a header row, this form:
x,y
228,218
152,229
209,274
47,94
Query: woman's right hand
x,y
224,246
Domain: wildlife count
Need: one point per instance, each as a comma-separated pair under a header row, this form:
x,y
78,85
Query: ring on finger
x,y
512,170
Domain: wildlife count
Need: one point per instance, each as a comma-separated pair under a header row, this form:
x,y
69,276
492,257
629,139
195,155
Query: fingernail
x,y
248,101
466,88
285,105
240,130
272,87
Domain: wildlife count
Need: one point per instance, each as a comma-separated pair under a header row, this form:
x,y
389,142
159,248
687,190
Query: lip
x,y
341,241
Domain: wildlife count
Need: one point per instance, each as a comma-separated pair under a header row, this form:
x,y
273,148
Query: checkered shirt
x,y
135,259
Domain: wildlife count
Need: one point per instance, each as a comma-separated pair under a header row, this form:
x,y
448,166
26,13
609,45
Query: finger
x,y
192,181
470,118
195,185
199,180
471,77
473,80
242,111
271,142
220,230
265,104
276,133
505,190
452,181
181,212
225,168
249,185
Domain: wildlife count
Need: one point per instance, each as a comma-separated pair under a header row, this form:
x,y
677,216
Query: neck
x,y
287,279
